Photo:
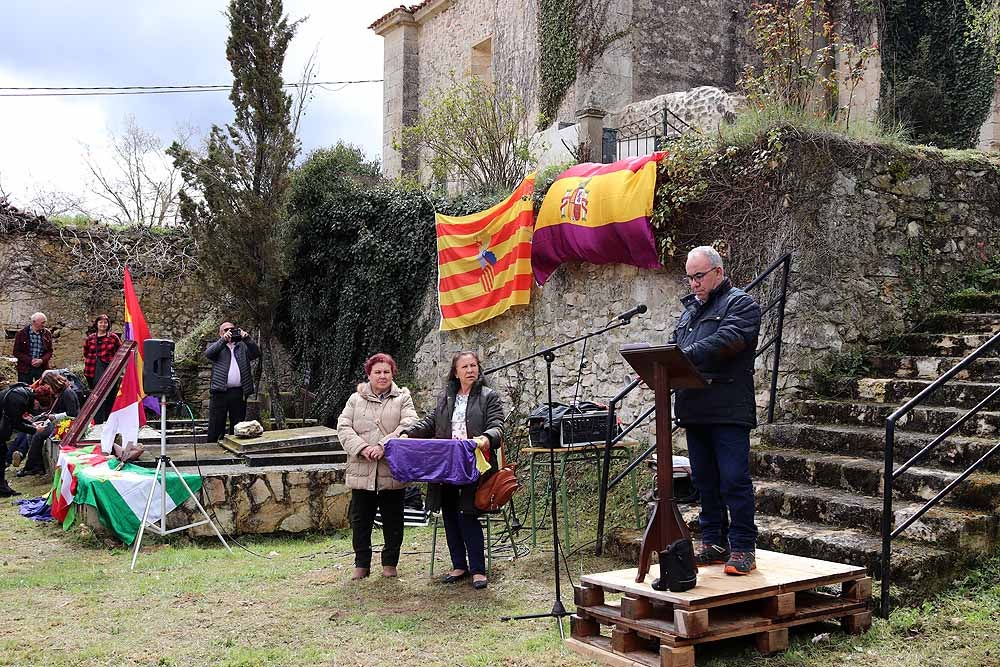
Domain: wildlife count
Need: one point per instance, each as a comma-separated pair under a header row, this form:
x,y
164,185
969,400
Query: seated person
x,y
16,405
68,403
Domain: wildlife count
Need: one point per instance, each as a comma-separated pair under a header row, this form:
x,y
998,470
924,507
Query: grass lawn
x,y
69,599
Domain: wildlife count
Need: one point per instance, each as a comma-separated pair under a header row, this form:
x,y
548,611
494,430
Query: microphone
x,y
629,314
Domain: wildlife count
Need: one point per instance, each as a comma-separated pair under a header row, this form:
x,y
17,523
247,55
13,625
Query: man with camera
x,y
232,381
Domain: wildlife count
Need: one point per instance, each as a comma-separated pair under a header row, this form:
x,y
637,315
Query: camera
x,y
236,334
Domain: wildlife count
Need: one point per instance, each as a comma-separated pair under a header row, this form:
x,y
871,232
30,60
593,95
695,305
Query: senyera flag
x,y
484,260
127,414
598,213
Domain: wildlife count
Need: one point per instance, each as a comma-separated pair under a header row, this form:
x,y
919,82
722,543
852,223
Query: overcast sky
x,y
151,42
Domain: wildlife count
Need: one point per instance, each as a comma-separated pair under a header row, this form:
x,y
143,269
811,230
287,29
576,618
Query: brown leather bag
x,y
496,490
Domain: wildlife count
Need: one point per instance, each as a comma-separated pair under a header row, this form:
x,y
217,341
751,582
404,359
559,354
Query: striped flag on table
x,y
484,260
598,213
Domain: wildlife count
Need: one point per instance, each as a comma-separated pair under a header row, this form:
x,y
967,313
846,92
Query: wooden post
x,y
691,623
858,590
635,608
855,624
682,656
624,640
587,595
772,641
580,626
780,605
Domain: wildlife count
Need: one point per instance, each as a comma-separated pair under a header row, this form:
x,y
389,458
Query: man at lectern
x,y
718,332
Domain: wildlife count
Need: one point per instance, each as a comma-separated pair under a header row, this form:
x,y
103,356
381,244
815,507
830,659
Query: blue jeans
x,y
720,470
464,533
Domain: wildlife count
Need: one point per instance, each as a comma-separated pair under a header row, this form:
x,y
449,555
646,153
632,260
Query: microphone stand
x,y
548,354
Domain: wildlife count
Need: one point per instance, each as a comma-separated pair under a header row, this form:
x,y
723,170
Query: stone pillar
x,y
591,123
401,98
989,134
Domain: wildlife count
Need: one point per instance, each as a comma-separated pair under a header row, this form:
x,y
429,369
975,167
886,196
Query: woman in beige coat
x,y
375,413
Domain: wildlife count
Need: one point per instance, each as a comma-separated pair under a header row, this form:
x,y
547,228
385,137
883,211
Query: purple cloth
x,y
428,460
36,509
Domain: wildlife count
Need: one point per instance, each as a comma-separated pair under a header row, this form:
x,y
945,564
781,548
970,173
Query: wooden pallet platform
x,y
661,628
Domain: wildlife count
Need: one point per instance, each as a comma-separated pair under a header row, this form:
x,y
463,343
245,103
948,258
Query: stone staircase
x,y
818,476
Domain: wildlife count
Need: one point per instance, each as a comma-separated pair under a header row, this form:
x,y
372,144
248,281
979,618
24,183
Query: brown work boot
x,y
389,571
359,573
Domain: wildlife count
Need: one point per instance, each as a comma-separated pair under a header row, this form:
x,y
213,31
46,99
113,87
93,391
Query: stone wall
x,y
40,273
877,235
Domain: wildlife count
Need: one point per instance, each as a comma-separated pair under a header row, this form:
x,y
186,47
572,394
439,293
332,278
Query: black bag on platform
x,y
585,428
678,571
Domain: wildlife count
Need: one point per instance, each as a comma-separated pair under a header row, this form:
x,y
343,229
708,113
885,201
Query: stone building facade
x,y
669,46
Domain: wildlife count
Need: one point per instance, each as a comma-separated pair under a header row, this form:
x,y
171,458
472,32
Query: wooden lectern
x,y
663,368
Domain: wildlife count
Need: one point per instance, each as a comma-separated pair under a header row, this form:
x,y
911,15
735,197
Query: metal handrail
x,y
784,263
890,474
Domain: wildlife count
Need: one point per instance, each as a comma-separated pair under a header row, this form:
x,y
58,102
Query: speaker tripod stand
x,y
159,527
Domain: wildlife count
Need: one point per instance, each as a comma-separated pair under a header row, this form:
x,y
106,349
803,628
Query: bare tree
x,y
140,183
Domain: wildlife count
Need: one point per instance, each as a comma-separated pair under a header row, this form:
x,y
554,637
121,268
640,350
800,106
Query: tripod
x,y
548,354
160,478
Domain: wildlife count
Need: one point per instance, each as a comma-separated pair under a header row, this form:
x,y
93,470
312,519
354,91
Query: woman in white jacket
x,y
378,411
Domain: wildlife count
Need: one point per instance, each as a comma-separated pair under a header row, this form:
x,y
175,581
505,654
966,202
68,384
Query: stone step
x,y
943,526
861,475
976,300
931,368
955,453
929,419
897,391
944,344
969,323
917,565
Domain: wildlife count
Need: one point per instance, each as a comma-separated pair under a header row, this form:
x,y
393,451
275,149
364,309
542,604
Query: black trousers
x,y
35,460
363,507
223,404
32,375
6,429
104,409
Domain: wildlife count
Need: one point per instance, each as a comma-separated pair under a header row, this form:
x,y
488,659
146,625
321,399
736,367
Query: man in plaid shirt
x,y
33,349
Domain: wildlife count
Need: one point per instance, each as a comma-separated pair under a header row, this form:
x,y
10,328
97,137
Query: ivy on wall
x,y
572,37
556,55
936,81
363,260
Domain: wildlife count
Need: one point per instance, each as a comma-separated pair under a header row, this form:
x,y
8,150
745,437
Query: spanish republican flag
x,y
484,260
598,213
127,415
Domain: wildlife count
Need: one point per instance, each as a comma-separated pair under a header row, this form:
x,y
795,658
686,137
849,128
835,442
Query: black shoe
x,y
7,492
453,578
27,472
480,584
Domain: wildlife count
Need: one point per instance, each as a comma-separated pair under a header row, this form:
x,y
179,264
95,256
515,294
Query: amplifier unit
x,y
573,426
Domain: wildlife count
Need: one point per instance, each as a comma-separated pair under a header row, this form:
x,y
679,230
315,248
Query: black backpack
x,y
76,384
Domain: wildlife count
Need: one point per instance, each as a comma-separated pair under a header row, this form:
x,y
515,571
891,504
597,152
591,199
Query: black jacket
x,y
218,353
483,416
16,401
720,339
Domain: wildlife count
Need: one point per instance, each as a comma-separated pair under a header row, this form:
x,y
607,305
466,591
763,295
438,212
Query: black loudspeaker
x,y
158,367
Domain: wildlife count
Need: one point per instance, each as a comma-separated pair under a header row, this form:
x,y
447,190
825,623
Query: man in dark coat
x,y
33,349
232,380
718,332
17,402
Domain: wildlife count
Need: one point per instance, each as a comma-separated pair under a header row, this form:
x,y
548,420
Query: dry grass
x,y
69,600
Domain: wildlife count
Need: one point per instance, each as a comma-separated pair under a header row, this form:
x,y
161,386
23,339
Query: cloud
x,y
62,42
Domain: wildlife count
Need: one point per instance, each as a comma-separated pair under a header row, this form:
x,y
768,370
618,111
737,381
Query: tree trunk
x,y
271,378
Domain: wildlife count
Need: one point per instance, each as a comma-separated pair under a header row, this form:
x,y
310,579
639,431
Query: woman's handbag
x,y
496,490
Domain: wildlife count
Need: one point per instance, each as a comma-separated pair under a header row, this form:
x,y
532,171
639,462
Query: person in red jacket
x,y
98,350
33,349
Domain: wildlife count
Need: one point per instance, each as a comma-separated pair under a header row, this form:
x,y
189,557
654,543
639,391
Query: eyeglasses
x,y
698,277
